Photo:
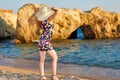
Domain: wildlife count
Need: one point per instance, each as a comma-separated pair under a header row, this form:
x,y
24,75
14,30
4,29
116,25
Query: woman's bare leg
x,y
42,61
54,57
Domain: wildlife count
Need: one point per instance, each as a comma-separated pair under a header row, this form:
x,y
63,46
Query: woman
x,y
44,44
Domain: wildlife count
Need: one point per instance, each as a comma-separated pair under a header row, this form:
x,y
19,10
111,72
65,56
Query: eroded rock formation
x,y
96,23
7,24
66,21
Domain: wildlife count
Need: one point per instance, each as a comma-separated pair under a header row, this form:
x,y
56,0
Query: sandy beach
x,y
10,73
19,69
16,69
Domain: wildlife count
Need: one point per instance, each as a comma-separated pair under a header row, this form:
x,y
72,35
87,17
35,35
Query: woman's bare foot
x,y
54,77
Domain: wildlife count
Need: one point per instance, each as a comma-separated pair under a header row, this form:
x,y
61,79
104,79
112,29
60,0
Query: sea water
x,y
103,53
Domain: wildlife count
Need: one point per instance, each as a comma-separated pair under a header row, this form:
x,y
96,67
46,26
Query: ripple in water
x,y
100,53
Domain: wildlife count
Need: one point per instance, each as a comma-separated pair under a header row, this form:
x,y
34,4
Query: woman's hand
x,y
36,41
31,21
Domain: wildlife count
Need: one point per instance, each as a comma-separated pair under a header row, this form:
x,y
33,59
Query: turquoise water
x,y
99,53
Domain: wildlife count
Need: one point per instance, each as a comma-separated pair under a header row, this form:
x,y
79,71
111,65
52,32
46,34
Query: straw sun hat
x,y
44,13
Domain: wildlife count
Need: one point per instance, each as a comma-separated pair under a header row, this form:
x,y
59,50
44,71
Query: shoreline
x,y
65,71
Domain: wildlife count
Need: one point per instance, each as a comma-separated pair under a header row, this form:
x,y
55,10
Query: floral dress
x,y
46,36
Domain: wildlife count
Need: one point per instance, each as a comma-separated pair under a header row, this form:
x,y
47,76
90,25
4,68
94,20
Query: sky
x,y
84,5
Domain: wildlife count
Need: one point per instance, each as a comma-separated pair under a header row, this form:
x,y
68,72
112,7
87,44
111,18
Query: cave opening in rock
x,y
80,34
77,34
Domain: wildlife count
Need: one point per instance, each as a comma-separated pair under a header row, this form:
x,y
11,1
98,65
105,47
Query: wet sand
x,y
19,69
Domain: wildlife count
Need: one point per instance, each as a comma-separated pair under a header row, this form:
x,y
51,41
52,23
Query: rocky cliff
x,y
7,24
66,22
96,23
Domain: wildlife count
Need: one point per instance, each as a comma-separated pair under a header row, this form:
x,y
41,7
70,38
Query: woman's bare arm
x,y
51,18
33,18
